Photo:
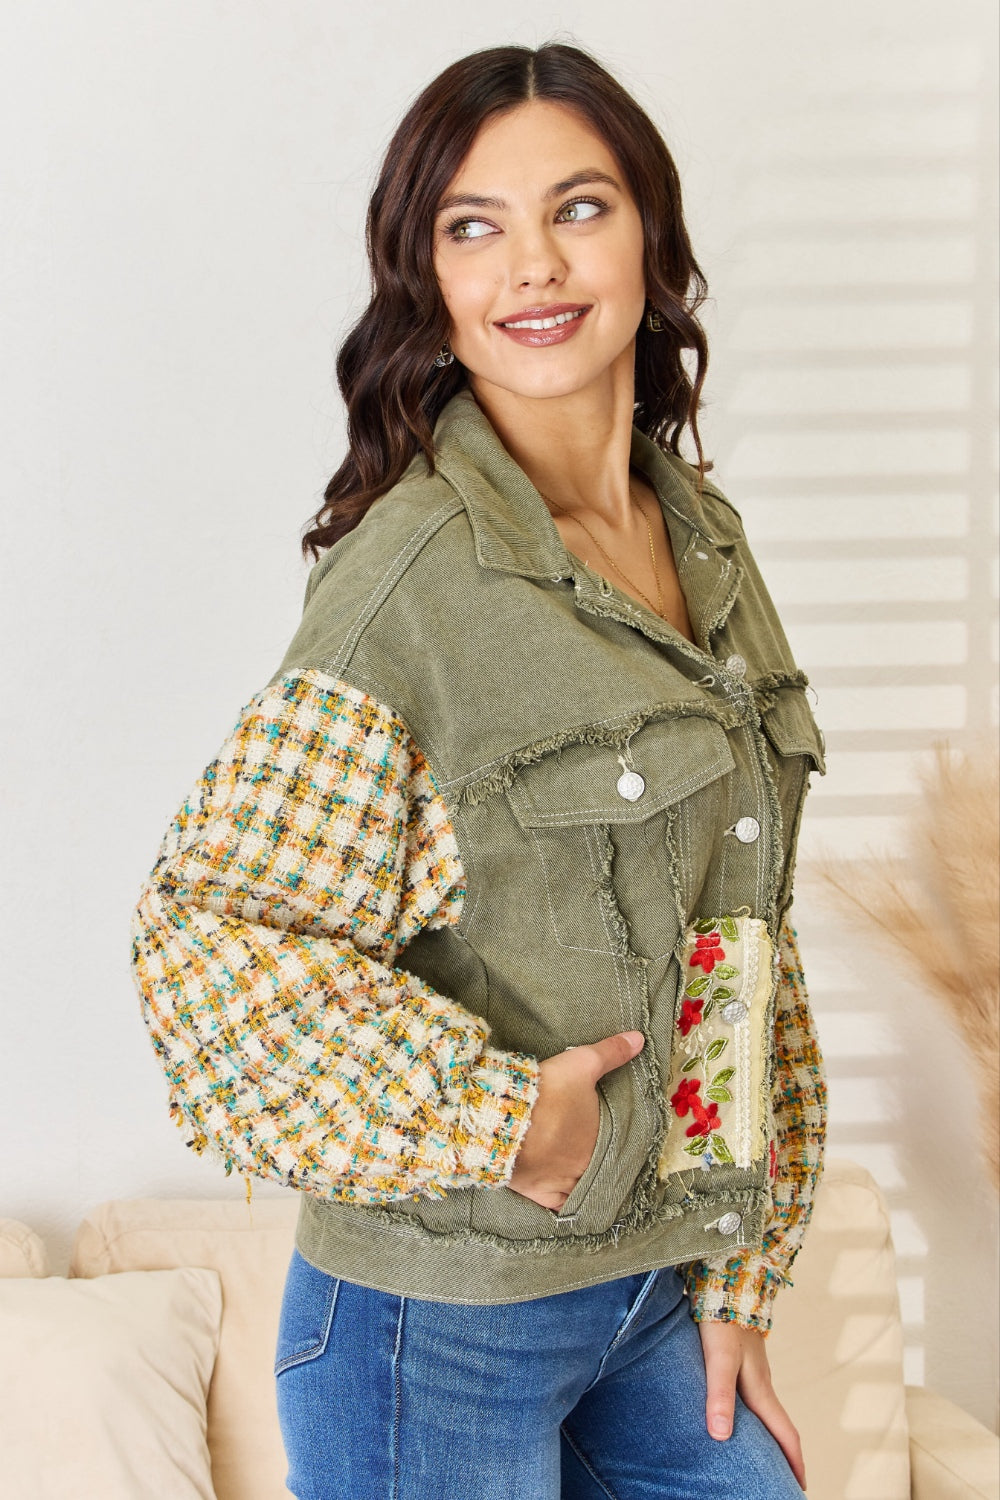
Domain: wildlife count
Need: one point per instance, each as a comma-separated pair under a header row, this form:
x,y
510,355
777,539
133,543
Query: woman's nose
x,y
534,258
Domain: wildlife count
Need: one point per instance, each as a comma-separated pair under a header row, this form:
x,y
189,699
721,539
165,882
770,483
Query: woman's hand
x,y
736,1360
566,1118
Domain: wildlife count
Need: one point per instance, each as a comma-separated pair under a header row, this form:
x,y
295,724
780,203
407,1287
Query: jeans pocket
x,y
307,1307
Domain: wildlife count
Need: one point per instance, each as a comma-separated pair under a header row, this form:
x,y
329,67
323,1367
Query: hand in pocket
x,y
566,1117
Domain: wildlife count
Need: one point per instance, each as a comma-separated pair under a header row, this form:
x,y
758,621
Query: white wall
x,y
181,254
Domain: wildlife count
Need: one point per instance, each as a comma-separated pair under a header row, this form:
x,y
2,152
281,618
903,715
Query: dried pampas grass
x,y
940,908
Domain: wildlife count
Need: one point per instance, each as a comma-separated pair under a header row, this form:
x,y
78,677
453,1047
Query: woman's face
x,y
560,232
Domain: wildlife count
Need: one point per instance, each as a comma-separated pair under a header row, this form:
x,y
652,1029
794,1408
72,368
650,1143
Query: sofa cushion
x,y
836,1349
103,1385
250,1247
22,1253
952,1456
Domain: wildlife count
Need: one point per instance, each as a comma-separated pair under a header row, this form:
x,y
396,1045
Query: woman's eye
x,y
579,203
461,229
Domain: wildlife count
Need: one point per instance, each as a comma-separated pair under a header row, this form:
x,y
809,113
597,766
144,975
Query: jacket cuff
x,y
740,1289
495,1115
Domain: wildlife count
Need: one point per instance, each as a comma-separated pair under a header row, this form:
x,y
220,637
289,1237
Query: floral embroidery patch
x,y
718,1110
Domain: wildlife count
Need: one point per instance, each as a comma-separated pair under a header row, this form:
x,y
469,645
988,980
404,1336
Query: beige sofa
x,y
104,1375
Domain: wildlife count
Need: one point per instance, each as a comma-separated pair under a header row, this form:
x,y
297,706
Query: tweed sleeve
x,y
265,948
741,1288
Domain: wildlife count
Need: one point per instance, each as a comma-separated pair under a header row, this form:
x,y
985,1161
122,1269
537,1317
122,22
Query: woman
x,y
476,930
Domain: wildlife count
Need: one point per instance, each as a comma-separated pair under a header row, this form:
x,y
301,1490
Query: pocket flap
x,y
579,783
792,730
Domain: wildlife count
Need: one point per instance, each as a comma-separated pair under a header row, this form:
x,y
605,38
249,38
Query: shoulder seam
x,y
725,500
689,472
395,570
709,487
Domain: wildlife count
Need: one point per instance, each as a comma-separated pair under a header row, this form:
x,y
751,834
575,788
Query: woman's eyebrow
x,y
578,179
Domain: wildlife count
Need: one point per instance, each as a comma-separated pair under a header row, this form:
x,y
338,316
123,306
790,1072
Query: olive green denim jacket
x,y
490,807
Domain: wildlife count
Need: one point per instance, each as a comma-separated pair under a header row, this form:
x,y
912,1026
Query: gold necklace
x,y
652,552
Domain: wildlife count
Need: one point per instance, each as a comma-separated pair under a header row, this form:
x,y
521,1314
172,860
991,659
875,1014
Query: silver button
x,y
733,1012
630,786
702,556
729,1223
736,664
746,830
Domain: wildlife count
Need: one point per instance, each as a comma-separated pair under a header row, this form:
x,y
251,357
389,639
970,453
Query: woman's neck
x,y
575,449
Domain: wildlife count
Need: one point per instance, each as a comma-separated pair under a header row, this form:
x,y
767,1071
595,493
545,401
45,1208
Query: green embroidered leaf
x,y
717,1048
726,971
692,1062
722,992
697,1146
722,1076
729,929
698,986
720,1150
719,1094
707,924
709,1007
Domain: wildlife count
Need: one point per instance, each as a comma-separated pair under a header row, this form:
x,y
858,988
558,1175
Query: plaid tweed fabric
x,y
308,853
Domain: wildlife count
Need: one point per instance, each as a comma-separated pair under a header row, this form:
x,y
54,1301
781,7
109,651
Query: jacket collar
x,y
511,523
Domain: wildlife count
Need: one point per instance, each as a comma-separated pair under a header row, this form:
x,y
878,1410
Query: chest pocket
x,y
792,730
604,838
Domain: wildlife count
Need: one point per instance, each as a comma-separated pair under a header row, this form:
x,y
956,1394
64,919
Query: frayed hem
x,y
767,688
645,1214
501,774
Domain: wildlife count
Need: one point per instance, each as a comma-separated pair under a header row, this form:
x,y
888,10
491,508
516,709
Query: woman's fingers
x,y
758,1395
614,1051
736,1359
779,1424
722,1348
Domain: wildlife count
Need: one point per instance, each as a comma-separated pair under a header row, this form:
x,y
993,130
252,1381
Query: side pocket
x,y
602,1146
307,1307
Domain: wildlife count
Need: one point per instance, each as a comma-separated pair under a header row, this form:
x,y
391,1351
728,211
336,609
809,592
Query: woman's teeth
x,y
547,322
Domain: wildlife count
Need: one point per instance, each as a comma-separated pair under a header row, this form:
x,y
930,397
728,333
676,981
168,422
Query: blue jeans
x,y
585,1395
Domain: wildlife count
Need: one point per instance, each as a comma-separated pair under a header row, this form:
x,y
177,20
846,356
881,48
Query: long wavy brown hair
x,y
385,368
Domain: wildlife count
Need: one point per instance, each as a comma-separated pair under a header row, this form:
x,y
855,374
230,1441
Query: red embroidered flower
x,y
690,1015
707,952
686,1095
705,1120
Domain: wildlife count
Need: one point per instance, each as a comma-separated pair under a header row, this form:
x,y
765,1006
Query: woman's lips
x,y
540,337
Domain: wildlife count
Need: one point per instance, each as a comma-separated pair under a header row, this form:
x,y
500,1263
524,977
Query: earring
x,y
654,320
444,355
